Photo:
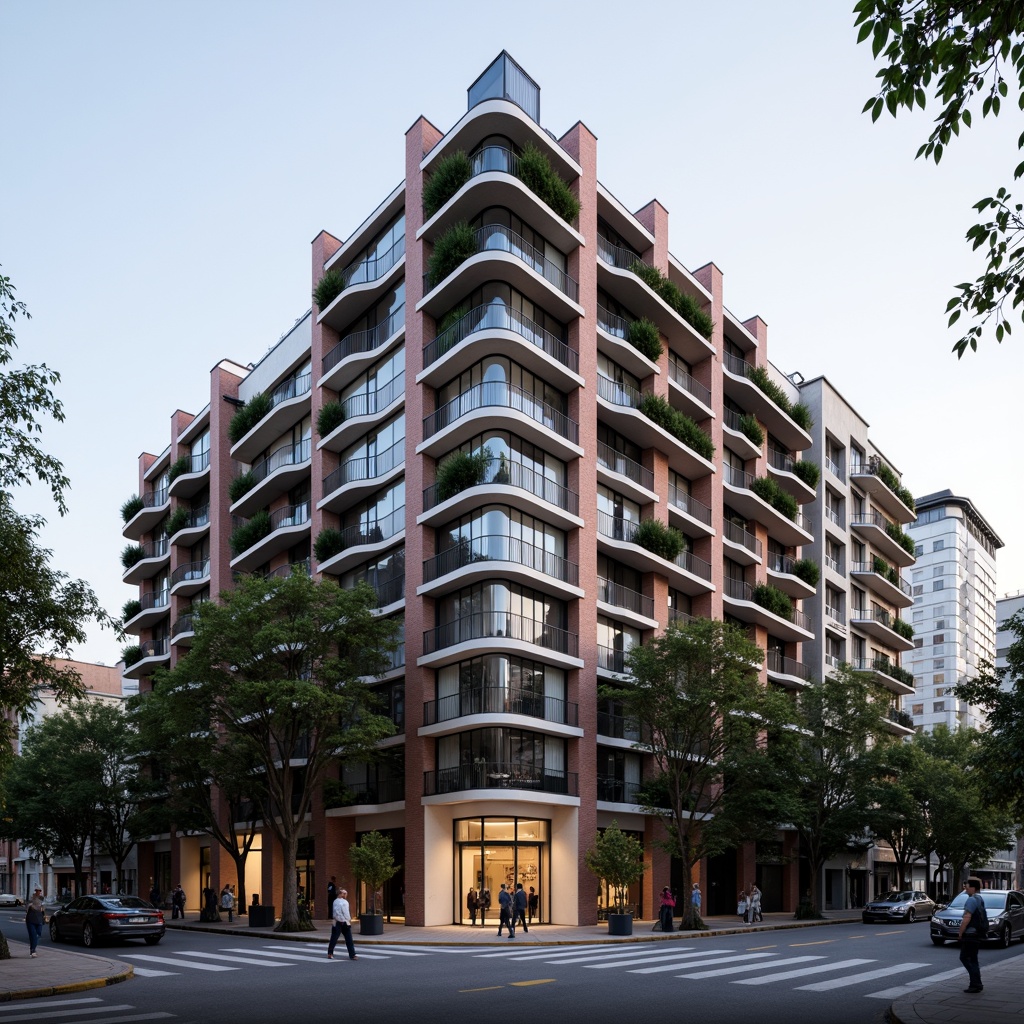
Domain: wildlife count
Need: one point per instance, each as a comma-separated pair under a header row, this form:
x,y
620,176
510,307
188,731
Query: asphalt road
x,y
846,974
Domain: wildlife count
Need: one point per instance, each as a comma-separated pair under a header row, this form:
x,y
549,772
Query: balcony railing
x,y
154,499
286,455
199,461
738,590
365,341
617,394
497,700
198,517
155,549
870,567
618,727
833,563
611,659
742,536
482,625
499,395
616,255
154,600
881,615
289,515
782,461
501,548
369,403
835,517
622,597
787,666
616,326
834,613
376,532
198,570
294,387
183,624
899,717
368,467
688,384
381,791
885,666
499,317
617,791
374,268
388,591
615,461
515,474
737,365
500,775
625,530
284,571
689,504
155,648
833,468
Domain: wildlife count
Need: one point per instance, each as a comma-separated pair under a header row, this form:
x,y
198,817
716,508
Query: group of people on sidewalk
x,y
668,904
749,905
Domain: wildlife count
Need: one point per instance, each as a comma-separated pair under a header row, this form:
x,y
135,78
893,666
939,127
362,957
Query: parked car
x,y
91,919
8,899
1005,911
908,905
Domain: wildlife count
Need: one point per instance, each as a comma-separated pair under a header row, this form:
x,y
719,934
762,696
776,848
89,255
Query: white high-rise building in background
x,y
954,613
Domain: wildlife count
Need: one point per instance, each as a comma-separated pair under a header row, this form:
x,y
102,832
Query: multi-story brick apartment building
x,y
520,593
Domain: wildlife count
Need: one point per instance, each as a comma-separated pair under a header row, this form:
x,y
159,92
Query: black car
x,y
91,919
909,905
1003,907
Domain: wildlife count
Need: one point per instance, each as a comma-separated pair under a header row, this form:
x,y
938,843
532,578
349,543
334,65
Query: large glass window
x,y
495,684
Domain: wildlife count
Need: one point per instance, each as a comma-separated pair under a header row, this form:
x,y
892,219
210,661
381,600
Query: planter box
x,y
261,916
620,924
371,924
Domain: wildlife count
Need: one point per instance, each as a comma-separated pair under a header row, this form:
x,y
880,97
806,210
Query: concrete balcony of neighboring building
x,y
742,390
781,574
884,581
738,599
894,678
193,479
155,505
740,495
882,534
154,654
870,476
787,672
879,623
155,556
289,403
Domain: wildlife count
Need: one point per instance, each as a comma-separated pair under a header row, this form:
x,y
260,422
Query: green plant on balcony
x,y
661,540
900,673
802,416
447,337
451,250
131,654
450,174
903,628
680,426
131,508
809,472
132,554
330,417
771,492
242,484
130,609
177,520
685,305
773,600
885,570
889,478
248,416
644,336
252,532
900,536
750,428
328,288
808,570
179,466
537,174
460,470
329,542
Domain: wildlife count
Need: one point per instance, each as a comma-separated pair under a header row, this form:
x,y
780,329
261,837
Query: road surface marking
x,y
308,958
820,942
11,1007
855,979
748,967
536,981
753,949
486,988
913,986
786,975
676,957
703,963
35,1014
232,959
646,956
146,972
171,962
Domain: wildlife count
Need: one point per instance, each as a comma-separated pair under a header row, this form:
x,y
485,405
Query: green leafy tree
x,y
197,778
618,859
281,665
839,718
373,863
702,716
967,54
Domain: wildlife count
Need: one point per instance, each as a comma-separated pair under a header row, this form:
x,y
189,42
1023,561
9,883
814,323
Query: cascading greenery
x,y
654,536
243,537
329,542
644,336
242,484
451,250
450,174
248,416
773,600
330,417
328,288
679,425
685,305
770,491
131,508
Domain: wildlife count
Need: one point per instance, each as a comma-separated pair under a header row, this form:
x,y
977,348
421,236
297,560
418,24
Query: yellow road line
x,y
536,981
823,942
489,988
751,949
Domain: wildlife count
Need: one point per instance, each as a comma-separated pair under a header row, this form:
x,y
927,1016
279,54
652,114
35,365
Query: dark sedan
x,y
92,919
1003,907
907,905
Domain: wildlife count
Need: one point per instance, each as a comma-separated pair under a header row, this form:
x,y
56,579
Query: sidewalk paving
x,y
60,970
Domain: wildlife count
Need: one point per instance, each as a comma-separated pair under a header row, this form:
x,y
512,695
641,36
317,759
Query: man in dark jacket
x,y
519,907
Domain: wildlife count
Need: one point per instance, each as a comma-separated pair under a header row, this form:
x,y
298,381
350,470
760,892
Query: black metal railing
x,y
500,775
499,395
154,600
737,365
154,549
373,269
284,571
617,791
742,536
286,455
885,666
616,326
618,726
500,700
155,648
199,462
183,624
617,256
376,532
156,498
484,625
687,383
617,394
501,548
496,316
365,341
191,572
738,590
381,791
500,470
294,387
369,403
781,665
689,504
615,461
367,467
612,659
876,570
622,597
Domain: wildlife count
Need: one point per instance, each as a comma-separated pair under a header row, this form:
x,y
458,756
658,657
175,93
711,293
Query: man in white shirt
x,y
342,917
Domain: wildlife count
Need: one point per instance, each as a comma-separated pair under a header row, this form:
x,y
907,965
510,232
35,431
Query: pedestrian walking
x,y
533,906
177,903
154,895
35,918
485,905
973,930
505,913
227,902
668,903
755,905
696,899
472,904
341,914
742,905
519,904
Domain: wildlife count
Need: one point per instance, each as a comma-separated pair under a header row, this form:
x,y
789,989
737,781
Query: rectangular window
x,y
918,641
937,585
939,638
938,663
918,589
939,677
917,709
940,623
938,707
918,550
938,545
938,570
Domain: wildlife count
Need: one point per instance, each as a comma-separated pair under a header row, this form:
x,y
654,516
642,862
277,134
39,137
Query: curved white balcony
x,y
190,578
357,478
289,403
155,505
879,623
277,473
194,479
782,576
787,672
154,654
613,340
359,350
739,494
362,411
878,530
691,516
195,528
153,607
365,282
739,387
869,477
287,526
624,475
687,394
738,600
625,604
364,541
875,576
780,468
740,544
737,440
156,554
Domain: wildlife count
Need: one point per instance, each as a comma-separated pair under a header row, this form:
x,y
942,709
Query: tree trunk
x,y
240,899
289,894
5,950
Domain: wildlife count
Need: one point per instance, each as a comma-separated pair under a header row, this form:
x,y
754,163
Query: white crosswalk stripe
x,y
746,968
170,961
856,979
42,1014
233,959
787,975
702,963
918,983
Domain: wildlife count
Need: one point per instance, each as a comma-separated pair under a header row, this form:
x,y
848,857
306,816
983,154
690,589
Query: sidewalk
x,y
60,970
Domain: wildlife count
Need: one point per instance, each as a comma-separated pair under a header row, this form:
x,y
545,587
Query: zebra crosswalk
x,y
52,1011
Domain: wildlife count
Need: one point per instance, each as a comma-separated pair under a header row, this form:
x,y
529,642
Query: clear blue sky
x,y
164,168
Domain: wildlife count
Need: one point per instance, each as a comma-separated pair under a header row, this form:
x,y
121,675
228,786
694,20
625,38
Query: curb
x,y
9,995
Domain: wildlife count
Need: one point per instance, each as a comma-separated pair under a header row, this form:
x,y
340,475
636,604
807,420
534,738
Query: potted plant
x,y
619,860
373,862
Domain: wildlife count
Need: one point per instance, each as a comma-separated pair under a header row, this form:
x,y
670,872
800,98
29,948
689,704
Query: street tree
x,y
283,665
198,779
968,55
839,719
703,718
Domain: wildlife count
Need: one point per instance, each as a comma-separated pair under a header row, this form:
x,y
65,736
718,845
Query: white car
x,y
8,899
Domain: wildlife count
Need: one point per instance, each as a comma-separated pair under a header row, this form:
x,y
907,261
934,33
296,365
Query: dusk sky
x,y
165,168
